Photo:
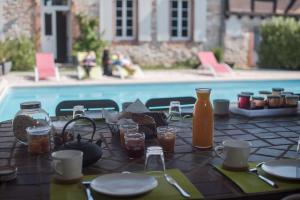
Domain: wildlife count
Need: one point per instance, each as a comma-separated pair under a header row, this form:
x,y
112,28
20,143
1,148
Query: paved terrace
x,y
69,77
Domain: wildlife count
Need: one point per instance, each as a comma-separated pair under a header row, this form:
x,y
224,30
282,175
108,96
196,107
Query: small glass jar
x,y
277,91
274,101
291,101
166,137
264,94
244,101
30,115
38,139
258,103
127,128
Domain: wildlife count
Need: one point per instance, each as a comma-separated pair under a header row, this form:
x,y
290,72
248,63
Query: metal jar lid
x,y
248,93
265,92
30,105
278,89
258,98
292,97
244,95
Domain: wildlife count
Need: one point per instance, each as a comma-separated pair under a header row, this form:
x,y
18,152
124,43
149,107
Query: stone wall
x,y
168,53
239,41
18,18
152,54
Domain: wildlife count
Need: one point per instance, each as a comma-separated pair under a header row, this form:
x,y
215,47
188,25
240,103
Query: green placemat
x,y
250,183
163,191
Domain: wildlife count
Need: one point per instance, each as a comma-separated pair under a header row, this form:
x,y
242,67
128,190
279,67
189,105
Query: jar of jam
x,y
38,139
291,100
244,101
258,103
274,101
277,91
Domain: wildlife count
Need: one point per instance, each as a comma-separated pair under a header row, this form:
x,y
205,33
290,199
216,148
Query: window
x,y
56,2
48,24
125,19
180,19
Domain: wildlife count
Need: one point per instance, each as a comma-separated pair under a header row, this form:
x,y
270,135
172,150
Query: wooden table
x,y
271,138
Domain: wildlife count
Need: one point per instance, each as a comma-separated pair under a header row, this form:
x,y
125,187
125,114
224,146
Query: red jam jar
x,y
244,101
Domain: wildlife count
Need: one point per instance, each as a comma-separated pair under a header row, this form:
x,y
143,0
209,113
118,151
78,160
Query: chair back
x,y
65,108
164,103
45,65
207,58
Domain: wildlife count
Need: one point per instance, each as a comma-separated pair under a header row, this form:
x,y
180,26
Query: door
x,y
61,36
48,38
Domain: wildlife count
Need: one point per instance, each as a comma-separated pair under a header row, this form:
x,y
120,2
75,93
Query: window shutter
x,y
200,8
106,19
144,21
162,9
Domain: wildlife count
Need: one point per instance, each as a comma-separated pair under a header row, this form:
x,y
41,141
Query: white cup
x,y
67,164
235,154
221,106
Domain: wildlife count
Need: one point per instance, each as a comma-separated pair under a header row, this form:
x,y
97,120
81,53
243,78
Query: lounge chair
x,y
95,73
210,63
45,67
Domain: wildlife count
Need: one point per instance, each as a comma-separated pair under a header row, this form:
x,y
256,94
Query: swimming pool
x,y
51,96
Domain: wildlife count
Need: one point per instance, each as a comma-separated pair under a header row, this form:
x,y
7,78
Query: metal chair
x,y
162,104
65,108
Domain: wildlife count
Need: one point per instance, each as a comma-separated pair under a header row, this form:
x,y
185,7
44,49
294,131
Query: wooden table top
x,y
271,138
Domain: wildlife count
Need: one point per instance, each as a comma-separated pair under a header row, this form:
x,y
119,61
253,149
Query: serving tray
x,y
264,112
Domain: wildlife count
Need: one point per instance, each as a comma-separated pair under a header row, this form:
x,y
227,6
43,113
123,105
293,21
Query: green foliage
x,y
191,63
89,39
280,46
219,53
20,51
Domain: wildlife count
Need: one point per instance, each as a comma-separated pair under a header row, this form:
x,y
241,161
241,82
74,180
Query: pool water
x,y
51,96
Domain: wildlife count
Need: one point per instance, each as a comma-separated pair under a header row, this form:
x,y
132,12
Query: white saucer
x,y
284,168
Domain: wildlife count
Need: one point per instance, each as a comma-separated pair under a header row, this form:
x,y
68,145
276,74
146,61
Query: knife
x,y
88,190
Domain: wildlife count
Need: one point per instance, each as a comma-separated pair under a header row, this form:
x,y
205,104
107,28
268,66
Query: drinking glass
x,y
166,137
126,129
134,144
155,153
78,111
175,111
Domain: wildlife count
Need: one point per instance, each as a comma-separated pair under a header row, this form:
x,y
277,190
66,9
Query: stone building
x,y
152,32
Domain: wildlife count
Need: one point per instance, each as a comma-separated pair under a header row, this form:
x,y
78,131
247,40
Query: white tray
x,y
264,112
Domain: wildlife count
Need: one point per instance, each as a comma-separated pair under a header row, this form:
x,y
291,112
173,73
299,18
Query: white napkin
x,y
137,107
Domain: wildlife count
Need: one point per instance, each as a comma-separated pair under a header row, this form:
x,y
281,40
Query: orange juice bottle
x,y
203,120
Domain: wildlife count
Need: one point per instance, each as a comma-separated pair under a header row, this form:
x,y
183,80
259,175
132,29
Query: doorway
x,y
56,30
61,36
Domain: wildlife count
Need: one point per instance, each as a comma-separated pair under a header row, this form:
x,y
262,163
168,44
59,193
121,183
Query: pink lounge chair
x,y
209,62
45,67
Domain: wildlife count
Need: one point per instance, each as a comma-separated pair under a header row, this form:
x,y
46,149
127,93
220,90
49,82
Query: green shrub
x,y
89,39
280,45
219,53
4,53
21,52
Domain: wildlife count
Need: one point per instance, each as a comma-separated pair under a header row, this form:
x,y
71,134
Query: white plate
x,y
287,169
121,185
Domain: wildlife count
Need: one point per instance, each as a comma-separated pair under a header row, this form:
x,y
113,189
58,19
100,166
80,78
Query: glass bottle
x,y
203,120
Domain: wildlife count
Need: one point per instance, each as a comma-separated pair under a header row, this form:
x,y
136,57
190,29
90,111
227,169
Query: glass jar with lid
x,y
30,115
